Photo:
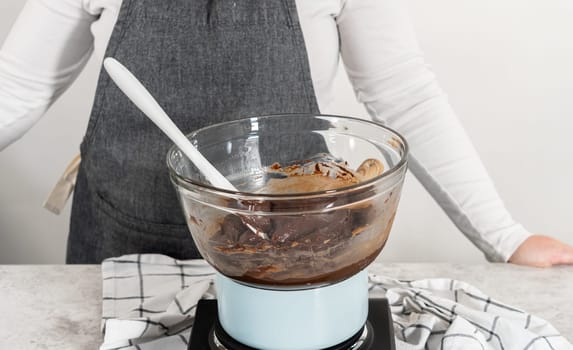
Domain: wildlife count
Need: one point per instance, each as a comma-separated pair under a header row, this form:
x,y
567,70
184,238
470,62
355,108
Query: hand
x,y
542,251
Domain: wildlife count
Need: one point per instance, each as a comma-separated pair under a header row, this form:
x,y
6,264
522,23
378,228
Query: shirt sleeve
x,y
389,76
47,48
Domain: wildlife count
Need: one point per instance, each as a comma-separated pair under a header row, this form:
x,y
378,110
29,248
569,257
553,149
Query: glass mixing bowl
x,y
289,240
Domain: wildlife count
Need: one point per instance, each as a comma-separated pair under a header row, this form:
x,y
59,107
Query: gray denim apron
x,y
206,61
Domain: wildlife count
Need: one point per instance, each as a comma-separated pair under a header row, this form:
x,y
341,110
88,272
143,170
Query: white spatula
x,y
139,95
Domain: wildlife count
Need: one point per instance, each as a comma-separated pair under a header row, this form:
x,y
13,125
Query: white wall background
x,y
506,65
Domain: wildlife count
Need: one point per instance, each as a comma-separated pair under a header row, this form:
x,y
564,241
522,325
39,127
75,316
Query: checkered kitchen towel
x,y
149,303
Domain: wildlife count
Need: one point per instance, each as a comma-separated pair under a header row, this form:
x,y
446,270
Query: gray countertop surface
x,y
59,306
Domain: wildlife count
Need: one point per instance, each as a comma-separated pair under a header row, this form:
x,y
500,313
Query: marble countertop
x,y
59,306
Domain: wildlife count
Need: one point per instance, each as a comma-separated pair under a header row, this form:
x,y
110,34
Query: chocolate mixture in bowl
x,y
335,237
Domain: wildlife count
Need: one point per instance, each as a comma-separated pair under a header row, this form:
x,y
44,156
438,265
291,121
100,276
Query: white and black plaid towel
x,y
149,303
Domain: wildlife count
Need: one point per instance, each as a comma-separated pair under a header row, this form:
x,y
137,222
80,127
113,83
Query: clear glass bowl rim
x,y
191,185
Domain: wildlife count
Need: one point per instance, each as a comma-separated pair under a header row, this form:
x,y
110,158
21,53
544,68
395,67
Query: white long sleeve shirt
x,y
52,40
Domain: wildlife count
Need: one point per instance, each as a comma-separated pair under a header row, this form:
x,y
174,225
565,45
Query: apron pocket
x,y
122,234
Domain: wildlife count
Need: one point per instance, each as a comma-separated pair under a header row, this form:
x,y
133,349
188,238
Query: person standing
x,y
209,61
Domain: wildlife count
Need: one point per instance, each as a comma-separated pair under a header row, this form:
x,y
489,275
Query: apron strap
x,y
64,187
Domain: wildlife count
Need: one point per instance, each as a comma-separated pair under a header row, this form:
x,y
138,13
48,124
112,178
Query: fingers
x,y
565,256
